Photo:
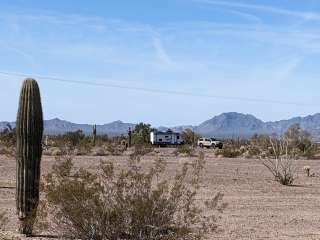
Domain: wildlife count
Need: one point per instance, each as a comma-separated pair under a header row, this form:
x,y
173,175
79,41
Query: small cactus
x,y
29,129
129,138
94,134
307,170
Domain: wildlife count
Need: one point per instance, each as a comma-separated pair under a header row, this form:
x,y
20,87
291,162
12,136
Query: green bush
x,y
141,134
134,203
300,141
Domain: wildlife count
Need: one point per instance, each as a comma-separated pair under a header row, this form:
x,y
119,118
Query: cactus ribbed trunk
x,y
29,129
129,138
94,134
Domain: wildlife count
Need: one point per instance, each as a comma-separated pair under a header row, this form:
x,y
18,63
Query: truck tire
x,y
201,145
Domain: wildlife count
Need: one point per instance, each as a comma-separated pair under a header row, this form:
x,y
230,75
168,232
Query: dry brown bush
x,y
135,203
142,149
116,149
281,162
185,149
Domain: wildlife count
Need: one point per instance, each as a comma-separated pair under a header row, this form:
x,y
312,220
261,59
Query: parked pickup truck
x,y
210,143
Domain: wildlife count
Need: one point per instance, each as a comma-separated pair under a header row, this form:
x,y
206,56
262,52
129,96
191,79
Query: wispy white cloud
x,y
245,15
264,8
161,52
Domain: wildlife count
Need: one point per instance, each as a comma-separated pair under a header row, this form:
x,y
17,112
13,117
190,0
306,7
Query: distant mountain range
x,y
225,125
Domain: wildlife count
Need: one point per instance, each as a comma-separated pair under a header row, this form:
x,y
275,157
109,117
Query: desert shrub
x,y
102,139
8,141
70,140
141,134
281,162
142,149
8,136
229,152
299,140
116,149
233,148
98,151
133,203
259,144
190,137
184,149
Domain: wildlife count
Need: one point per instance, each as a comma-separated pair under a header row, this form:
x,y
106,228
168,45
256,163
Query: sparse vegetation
x,y
233,148
190,137
299,141
8,141
142,149
281,162
185,149
133,203
141,134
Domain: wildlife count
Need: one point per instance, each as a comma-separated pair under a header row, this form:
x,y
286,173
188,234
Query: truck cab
x,y
209,143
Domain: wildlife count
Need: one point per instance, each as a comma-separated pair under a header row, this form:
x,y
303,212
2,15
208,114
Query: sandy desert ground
x,y
258,207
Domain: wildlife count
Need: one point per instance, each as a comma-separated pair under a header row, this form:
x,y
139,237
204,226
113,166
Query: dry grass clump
x,y
142,149
133,203
116,149
99,151
185,149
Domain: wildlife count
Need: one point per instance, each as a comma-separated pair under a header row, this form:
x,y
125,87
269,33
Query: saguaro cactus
x,y
94,134
29,129
129,137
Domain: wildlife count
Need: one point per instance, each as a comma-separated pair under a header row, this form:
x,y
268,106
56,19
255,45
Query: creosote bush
x,y
132,203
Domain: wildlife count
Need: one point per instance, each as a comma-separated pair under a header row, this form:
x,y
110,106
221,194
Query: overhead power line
x,y
153,90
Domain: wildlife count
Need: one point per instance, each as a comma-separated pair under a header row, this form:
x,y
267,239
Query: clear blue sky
x,y
262,49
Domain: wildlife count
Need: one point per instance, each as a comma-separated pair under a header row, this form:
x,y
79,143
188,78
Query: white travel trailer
x,y
165,138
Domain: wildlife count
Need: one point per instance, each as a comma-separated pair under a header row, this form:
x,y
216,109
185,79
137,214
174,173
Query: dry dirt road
x,y
258,207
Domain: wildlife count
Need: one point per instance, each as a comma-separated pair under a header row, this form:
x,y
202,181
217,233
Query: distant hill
x,y
224,125
58,126
234,124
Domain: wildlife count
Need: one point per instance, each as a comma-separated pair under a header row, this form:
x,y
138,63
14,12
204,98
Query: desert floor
x,y
258,207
